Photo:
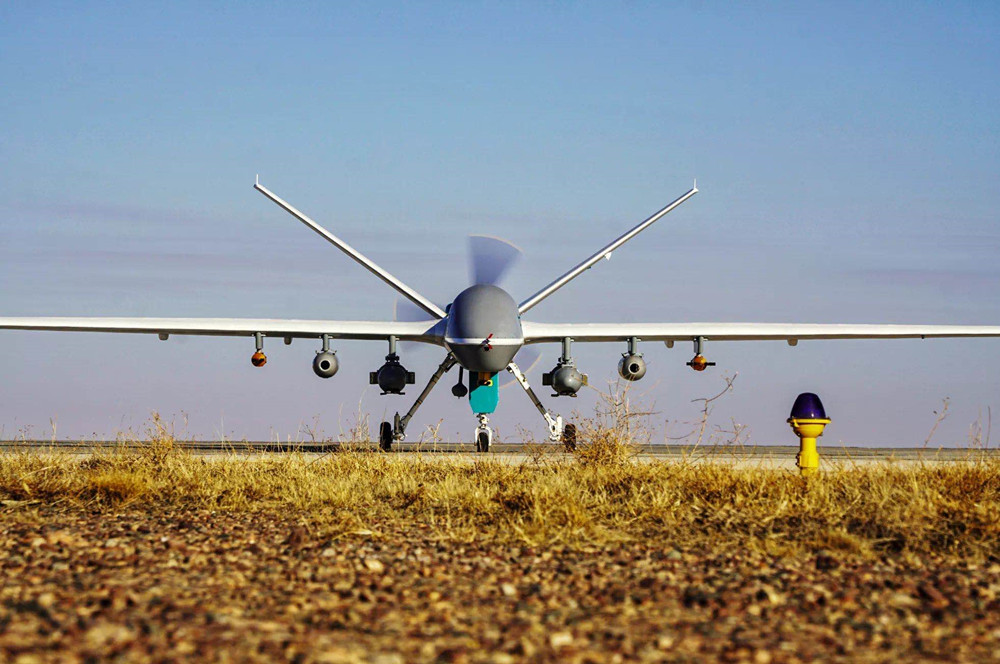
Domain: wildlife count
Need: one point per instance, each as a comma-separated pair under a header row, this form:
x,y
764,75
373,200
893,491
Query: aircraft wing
x,y
429,331
791,332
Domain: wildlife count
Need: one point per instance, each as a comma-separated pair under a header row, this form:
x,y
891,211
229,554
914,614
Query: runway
x,y
770,456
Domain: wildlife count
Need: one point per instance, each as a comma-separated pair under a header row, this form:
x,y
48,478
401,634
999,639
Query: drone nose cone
x,y
483,310
807,406
484,331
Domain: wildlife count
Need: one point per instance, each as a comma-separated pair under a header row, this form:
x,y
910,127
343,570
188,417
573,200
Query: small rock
x,y
933,596
297,537
768,593
902,601
374,565
826,562
28,658
508,589
695,595
336,656
560,639
525,648
453,656
329,552
105,635
387,658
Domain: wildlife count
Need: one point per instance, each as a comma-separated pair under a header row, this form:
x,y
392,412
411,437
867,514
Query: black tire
x,y
482,442
569,437
385,437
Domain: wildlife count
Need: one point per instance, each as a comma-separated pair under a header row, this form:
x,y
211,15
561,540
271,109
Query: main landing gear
x,y
559,431
393,432
385,437
396,432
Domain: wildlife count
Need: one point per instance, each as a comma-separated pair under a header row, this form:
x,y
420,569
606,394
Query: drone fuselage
x,y
484,329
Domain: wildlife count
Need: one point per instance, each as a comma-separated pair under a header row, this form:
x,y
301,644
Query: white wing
x,y
428,331
603,253
551,332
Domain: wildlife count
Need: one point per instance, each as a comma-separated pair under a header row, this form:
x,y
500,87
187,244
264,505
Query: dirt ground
x,y
84,584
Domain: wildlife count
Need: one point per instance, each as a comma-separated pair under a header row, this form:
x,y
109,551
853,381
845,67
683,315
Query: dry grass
x,y
151,553
600,495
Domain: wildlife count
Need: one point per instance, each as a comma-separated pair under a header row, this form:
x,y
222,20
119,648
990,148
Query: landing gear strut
x,y
396,432
559,431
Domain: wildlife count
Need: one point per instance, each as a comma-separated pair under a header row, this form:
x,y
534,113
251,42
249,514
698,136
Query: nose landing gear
x,y
484,434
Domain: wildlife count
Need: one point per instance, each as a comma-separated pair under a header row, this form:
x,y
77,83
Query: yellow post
x,y
808,419
808,431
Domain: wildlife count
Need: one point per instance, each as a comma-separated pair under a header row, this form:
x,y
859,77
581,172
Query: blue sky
x,y
847,156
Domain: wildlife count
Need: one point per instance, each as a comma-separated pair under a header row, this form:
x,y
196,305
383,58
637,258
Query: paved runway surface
x,y
776,456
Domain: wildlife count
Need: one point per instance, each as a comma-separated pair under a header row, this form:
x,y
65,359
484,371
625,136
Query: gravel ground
x,y
100,585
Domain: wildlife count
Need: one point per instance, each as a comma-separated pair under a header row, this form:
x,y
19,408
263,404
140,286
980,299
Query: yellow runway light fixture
x,y
808,420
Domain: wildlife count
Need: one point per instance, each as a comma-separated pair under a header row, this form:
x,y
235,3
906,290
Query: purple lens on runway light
x,y
807,406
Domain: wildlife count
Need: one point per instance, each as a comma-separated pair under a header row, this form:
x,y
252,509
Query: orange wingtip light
x,y
698,363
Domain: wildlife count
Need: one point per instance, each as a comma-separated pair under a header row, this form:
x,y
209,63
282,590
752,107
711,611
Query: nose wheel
x,y
484,434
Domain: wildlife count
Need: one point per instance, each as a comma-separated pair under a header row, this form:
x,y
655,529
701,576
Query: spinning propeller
x,y
490,258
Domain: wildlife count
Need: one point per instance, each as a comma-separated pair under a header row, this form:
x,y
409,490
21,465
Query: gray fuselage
x,y
484,328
